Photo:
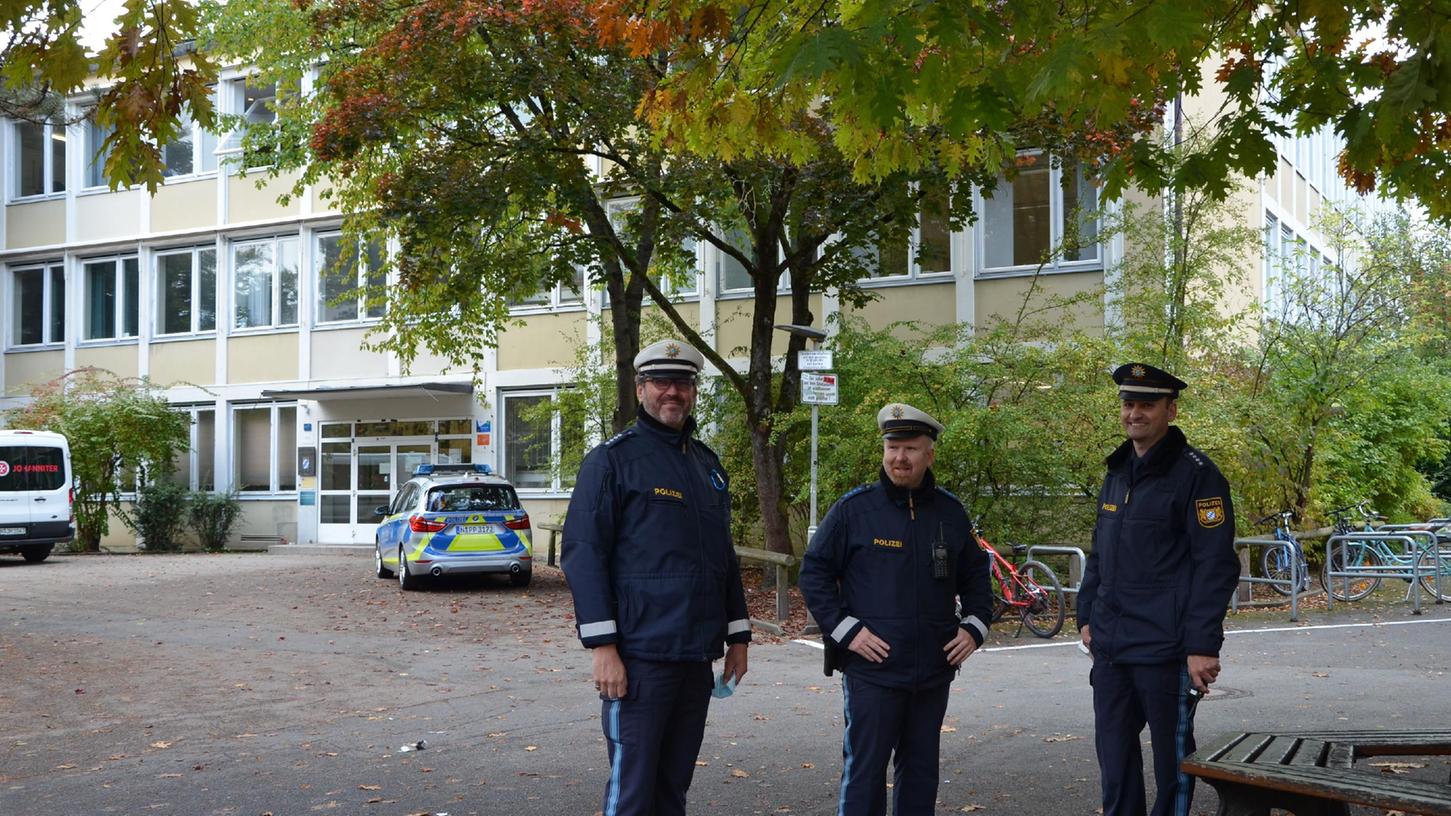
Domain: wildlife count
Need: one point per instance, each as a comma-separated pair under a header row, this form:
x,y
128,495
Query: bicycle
x,y
1279,560
1378,556
1354,554
1032,591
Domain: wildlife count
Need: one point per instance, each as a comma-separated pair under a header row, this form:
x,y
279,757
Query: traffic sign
x,y
819,360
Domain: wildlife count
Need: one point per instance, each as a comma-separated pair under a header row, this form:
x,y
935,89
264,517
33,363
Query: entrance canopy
x,y
342,392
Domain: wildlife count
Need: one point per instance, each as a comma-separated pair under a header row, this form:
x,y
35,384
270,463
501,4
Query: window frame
x,y
48,172
229,146
159,291
556,484
193,452
276,290
199,137
1057,218
275,452
914,271
360,283
93,170
48,305
123,296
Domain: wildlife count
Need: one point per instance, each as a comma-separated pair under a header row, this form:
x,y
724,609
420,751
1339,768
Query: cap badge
x,y
1138,371
896,412
672,350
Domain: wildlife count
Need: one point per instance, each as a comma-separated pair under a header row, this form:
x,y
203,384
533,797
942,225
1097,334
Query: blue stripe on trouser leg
x,y
846,754
653,736
874,717
1183,746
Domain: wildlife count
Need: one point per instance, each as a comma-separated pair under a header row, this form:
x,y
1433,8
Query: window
x,y
186,291
38,314
255,101
558,295
193,151
32,468
265,442
1034,218
928,250
96,152
111,293
39,158
534,437
265,282
193,468
731,274
686,282
345,274
1271,265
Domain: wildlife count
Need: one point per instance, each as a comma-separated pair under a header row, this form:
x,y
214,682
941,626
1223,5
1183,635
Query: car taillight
x,y
419,524
71,502
521,523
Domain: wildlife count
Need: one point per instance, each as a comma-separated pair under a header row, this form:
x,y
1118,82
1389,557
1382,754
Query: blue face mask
x,y
723,688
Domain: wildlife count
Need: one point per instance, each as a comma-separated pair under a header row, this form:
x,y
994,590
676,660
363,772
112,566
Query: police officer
x,y
881,577
656,584
1154,594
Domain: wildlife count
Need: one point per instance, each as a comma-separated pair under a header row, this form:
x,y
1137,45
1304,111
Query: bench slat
x,y
1221,744
1310,753
1342,755
1278,751
1247,749
1371,790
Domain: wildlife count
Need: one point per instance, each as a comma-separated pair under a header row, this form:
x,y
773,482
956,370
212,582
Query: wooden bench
x,y
553,530
1314,773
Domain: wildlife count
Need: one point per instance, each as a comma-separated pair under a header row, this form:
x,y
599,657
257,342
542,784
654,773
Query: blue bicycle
x,y
1280,559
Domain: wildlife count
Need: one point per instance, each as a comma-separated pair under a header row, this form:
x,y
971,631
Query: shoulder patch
x,y
1196,457
948,493
619,437
856,491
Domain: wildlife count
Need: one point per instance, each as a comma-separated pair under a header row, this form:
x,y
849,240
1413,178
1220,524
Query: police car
x,y
453,520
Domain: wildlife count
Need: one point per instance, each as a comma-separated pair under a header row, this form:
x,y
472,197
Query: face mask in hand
x,y
723,688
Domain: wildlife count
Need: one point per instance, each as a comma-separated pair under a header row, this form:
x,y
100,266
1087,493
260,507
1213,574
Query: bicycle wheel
x,y
1275,564
1426,567
1044,612
1355,587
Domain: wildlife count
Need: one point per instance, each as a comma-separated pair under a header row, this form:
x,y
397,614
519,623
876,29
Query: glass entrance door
x,y
359,476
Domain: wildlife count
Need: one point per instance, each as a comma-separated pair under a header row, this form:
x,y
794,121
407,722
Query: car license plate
x,y
12,531
475,529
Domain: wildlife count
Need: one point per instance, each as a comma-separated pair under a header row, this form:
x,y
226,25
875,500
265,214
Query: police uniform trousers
x,y
890,723
653,736
1125,698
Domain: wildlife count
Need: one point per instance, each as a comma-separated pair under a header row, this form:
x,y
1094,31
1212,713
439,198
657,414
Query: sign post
x,y
817,389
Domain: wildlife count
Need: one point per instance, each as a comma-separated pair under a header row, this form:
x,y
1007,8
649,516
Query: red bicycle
x,y
1031,591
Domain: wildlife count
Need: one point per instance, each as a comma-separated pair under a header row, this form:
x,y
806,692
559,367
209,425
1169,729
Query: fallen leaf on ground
x,y
1397,767
972,808
1060,738
161,744
370,787
739,774
949,729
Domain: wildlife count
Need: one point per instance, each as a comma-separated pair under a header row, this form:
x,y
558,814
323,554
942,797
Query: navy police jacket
x,y
870,565
1158,581
647,547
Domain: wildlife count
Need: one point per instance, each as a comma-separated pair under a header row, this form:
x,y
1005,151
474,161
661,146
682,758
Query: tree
x,y
911,80
156,76
116,427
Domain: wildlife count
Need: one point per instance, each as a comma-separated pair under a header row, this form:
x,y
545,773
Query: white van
x,y
36,496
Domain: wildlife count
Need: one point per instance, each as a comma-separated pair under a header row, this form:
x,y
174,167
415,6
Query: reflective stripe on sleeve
x,y
981,627
736,627
588,630
842,628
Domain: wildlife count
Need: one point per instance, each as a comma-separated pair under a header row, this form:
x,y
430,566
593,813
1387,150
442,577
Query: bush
x,y
160,515
214,515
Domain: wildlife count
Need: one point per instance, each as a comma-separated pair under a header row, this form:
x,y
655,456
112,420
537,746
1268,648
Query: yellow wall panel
x,y
39,223
542,341
927,305
275,519
186,205
339,353
321,204
119,360
247,203
733,324
262,358
183,361
108,215
26,369
1001,298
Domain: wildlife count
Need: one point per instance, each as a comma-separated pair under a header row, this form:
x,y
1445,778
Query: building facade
x,y
216,292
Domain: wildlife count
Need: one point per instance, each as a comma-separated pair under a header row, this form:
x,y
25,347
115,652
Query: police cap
x,y
899,420
669,358
1140,381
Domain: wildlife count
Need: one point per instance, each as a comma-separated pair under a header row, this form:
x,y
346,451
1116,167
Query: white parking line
x,y
817,645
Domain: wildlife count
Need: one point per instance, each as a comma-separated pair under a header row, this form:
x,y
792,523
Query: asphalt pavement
x,y
286,684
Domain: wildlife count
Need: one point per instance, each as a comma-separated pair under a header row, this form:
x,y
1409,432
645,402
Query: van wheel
x,y
37,554
520,579
380,570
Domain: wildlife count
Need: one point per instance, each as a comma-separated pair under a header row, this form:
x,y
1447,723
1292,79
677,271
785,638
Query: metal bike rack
x,y
1076,564
1292,583
1407,538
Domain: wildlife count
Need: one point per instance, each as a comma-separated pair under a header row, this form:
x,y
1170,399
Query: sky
x,y
98,22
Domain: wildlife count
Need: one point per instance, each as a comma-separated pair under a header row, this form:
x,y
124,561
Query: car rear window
x,y
23,467
472,497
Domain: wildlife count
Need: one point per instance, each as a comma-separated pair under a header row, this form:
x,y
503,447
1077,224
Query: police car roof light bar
x,y
452,467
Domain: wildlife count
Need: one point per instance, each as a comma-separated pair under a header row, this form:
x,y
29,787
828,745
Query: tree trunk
x,y
625,323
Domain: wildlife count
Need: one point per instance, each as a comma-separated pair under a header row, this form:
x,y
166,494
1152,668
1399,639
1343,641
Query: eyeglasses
x,y
664,383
